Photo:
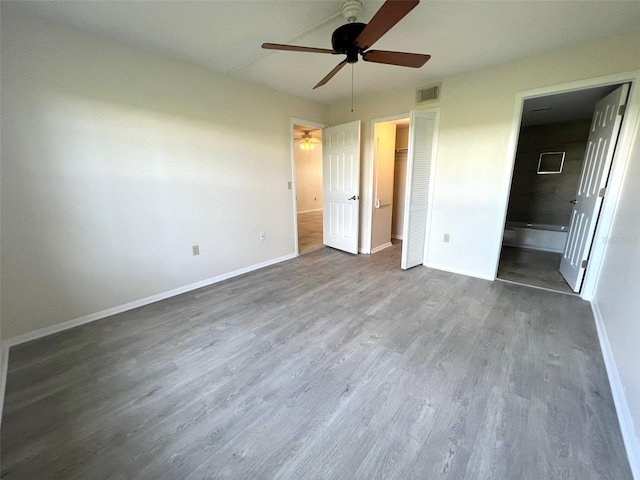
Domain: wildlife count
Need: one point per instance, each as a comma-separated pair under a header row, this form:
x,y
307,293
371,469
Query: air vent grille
x,y
430,93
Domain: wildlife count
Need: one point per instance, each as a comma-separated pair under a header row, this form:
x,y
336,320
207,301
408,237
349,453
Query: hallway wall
x,y
308,178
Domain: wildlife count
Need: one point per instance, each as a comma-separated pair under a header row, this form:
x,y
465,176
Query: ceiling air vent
x,y
430,93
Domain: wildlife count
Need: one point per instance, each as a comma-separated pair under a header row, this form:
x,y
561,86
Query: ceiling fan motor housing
x,y
344,38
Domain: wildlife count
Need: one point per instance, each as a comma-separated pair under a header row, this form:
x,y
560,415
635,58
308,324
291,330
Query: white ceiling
x,y
225,36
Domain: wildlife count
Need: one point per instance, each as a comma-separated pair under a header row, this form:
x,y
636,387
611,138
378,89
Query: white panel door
x,y
595,170
341,186
419,163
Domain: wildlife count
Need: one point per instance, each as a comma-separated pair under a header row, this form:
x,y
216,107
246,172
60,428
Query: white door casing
x,y
607,118
341,186
419,173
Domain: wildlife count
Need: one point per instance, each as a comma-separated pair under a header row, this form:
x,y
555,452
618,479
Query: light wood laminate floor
x,y
309,231
328,366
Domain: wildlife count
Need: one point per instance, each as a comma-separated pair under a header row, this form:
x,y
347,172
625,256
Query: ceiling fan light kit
x,y
307,145
354,38
308,141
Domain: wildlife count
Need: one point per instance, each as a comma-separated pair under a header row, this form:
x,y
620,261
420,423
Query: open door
x,y
419,162
601,144
341,186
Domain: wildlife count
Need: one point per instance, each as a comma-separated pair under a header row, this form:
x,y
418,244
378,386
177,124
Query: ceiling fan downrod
x,y
351,9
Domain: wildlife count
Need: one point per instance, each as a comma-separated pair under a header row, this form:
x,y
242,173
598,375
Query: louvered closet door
x,y
419,172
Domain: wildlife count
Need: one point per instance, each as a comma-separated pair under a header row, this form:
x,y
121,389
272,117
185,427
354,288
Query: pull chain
x,y
352,88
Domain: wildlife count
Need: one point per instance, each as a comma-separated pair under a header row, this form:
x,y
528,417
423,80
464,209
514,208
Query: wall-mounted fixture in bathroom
x,y
550,163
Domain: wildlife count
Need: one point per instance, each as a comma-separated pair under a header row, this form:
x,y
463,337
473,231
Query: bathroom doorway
x,y
554,160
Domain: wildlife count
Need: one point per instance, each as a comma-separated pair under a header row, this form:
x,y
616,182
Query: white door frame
x,y
292,122
620,162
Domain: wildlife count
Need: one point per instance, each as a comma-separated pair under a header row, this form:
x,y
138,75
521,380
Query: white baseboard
x,y
381,247
468,273
629,436
397,237
92,317
4,354
308,211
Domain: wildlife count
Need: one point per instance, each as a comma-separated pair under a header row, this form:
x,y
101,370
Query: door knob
x,y
353,198
574,201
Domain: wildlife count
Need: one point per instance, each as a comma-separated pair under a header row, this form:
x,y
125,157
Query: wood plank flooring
x,y
309,231
532,267
328,366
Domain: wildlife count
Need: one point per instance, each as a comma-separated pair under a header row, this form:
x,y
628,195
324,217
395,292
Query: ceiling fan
x,y
307,141
355,38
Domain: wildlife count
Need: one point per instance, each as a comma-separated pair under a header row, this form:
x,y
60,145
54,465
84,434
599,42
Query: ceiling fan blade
x,y
331,74
295,48
403,59
391,12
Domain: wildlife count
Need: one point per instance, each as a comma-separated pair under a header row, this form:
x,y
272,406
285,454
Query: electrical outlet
x,y
445,238
263,236
196,250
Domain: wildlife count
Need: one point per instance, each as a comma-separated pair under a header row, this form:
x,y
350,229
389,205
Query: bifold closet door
x,y
419,173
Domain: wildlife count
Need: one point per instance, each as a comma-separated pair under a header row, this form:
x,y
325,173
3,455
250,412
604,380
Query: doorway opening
x,y
564,154
307,154
325,163
391,143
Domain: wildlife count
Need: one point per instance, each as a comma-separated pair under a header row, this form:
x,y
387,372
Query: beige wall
x,y
308,178
618,292
116,161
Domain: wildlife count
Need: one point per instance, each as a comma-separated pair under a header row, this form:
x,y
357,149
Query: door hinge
x,y
621,109
602,191
584,263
